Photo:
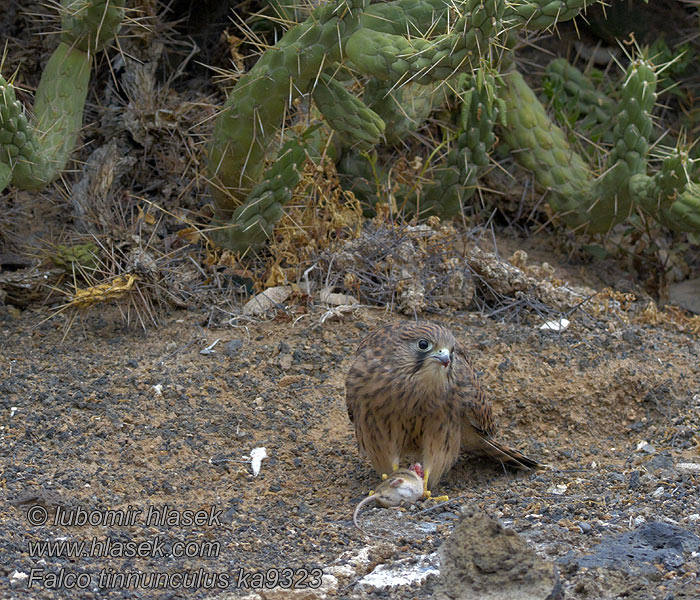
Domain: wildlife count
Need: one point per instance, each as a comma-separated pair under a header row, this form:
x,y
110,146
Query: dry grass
x,y
138,192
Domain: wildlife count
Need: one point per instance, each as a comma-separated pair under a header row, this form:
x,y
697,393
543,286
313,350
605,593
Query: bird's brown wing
x,y
364,362
478,425
469,395
371,398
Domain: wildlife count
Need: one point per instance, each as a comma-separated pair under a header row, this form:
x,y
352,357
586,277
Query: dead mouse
x,y
403,485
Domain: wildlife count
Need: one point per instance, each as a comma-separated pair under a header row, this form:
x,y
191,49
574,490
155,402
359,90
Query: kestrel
x,y
412,393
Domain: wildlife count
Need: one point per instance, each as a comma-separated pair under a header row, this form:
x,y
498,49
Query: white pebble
x,y
688,467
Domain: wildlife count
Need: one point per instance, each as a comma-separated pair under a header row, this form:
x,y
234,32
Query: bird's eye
x,y
424,345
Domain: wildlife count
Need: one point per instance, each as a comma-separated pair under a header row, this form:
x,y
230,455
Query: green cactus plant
x,y
593,203
399,42
402,108
254,220
355,123
454,180
77,257
409,53
577,101
32,155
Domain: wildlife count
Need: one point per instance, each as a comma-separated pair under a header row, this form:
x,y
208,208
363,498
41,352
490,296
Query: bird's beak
x,y
442,355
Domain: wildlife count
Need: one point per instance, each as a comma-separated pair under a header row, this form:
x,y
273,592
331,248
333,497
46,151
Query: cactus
x,y
355,123
31,156
80,257
403,109
541,147
410,52
455,181
574,95
253,221
595,205
385,41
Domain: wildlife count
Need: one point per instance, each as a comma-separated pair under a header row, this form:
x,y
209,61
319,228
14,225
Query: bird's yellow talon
x,y
394,466
427,494
442,498
426,491
384,476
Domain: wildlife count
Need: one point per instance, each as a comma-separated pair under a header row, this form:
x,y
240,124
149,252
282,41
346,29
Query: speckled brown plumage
x,y
411,392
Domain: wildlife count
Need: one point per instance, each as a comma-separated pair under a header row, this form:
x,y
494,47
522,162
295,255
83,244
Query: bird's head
x,y
427,349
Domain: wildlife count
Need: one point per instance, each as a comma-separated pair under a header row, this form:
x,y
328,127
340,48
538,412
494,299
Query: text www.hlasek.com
x,y
155,548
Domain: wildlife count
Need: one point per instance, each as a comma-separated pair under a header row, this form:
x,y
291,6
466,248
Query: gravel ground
x,y
115,419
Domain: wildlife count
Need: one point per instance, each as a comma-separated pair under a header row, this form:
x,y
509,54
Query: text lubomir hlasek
x,y
151,516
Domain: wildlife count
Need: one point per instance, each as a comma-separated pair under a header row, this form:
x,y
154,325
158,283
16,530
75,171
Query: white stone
x,y
558,325
256,458
264,301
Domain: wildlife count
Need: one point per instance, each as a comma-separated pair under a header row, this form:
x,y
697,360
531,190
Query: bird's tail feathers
x,y
510,456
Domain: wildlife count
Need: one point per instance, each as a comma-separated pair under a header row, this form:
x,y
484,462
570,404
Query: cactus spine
x,y
31,156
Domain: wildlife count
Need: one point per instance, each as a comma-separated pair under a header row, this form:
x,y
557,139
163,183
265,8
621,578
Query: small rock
x,y
585,527
692,468
645,447
634,480
17,579
558,325
447,516
328,296
482,559
631,337
132,363
661,462
229,515
231,349
264,301
427,527
686,294
641,550
285,361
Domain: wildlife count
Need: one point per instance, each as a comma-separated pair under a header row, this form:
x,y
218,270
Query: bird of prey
x,y
411,392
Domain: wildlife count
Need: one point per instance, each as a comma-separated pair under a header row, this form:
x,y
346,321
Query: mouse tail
x,y
359,507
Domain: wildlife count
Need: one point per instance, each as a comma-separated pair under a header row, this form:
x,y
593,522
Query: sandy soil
x,y
119,419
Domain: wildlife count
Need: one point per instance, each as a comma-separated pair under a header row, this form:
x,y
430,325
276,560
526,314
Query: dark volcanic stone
x,y
641,549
